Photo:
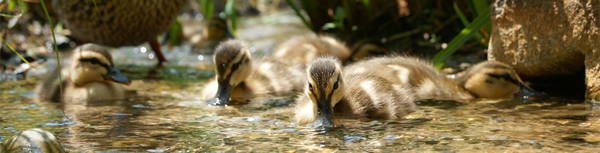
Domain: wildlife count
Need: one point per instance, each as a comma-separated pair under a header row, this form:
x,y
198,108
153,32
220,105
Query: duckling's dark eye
x,y
310,87
335,85
235,66
94,61
506,76
376,52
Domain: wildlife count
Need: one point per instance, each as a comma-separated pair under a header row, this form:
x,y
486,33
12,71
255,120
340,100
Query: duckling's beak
x,y
526,92
223,92
327,116
115,75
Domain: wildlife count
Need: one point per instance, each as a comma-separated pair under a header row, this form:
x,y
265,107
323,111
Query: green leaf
x,y
339,13
367,5
55,51
6,43
11,5
174,32
206,8
329,25
465,34
230,11
481,7
465,21
23,6
295,8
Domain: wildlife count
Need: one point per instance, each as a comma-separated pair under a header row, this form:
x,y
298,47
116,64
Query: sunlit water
x,y
163,114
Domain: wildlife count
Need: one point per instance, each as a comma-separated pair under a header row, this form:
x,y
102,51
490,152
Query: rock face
x,y
545,38
32,140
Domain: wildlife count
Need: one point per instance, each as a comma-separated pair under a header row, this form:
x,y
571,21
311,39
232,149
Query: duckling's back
x,y
373,97
422,79
303,49
272,77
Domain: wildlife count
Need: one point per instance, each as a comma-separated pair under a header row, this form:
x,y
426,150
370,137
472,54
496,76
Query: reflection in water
x,y
164,114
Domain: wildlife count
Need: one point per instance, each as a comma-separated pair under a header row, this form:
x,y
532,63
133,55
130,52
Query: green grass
x,y
206,8
55,51
6,43
465,34
304,20
230,11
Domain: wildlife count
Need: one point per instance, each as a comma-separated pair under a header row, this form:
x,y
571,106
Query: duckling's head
x,y
217,29
233,65
367,48
325,87
494,80
93,63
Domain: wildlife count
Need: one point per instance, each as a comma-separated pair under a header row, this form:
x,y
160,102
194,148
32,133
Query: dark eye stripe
x,y
505,77
235,66
93,61
376,52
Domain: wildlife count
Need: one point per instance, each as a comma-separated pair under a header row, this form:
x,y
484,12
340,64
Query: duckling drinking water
x,y
492,80
303,49
240,77
90,76
331,94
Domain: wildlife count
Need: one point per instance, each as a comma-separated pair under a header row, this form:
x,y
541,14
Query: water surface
x,y
163,113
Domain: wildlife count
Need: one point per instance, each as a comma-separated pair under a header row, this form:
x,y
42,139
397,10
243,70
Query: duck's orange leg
x,y
156,48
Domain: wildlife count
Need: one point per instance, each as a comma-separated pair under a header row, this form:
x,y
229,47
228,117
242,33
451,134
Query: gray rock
x,y
32,141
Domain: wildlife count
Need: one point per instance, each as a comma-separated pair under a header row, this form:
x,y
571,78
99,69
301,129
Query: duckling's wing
x,y
418,75
49,87
373,97
274,77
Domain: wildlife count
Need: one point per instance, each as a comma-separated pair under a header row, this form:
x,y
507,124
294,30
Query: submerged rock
x,y
32,140
548,38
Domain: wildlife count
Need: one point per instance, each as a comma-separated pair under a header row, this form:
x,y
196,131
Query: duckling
x,y
241,77
419,75
305,48
32,140
331,94
215,31
367,48
492,80
118,23
90,76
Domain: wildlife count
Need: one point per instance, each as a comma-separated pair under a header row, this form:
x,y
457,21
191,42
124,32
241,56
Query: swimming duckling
x,y
305,48
492,80
331,94
240,77
367,48
215,31
90,76
419,75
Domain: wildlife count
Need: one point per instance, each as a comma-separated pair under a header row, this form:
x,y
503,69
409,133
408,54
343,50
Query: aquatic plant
x,y
480,9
